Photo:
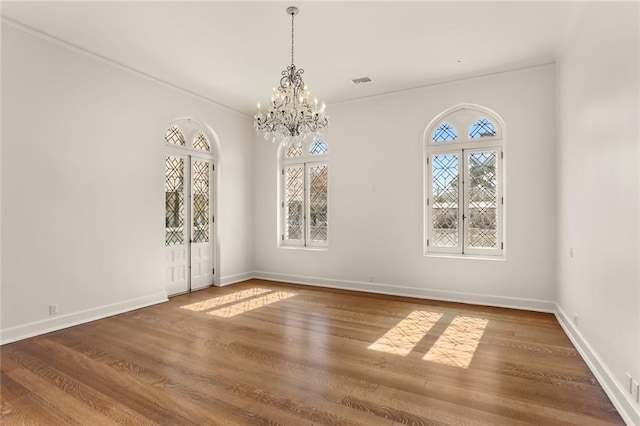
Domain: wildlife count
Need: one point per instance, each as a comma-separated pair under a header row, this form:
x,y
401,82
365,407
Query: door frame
x,y
190,128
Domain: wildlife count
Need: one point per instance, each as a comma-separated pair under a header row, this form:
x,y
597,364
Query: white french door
x,y
188,221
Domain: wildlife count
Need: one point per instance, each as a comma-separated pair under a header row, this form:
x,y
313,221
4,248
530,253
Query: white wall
x,y
376,197
82,184
599,194
82,172
82,202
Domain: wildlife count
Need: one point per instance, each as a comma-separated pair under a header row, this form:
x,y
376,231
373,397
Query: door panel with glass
x,y
188,223
201,248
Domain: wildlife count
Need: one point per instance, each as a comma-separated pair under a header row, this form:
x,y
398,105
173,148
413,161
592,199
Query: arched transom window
x,y
464,202
304,219
174,136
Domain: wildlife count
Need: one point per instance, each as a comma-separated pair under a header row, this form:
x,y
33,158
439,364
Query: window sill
x,y
304,248
465,256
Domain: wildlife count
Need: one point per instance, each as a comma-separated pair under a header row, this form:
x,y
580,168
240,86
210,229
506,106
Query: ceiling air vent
x,y
361,80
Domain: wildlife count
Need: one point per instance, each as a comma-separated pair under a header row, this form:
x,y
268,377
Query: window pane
x,y
482,128
200,193
174,136
294,192
444,133
444,209
201,142
483,200
318,202
318,147
174,201
293,151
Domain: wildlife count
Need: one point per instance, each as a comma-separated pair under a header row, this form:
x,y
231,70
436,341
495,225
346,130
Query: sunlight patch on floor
x,y
251,304
223,300
402,338
457,345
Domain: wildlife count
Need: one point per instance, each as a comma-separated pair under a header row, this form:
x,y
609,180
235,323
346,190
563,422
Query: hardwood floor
x,y
266,353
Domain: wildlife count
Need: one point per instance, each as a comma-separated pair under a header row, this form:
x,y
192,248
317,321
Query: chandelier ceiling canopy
x,y
291,117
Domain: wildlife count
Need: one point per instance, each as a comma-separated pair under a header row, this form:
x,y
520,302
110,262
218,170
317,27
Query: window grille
x,y
174,201
319,147
304,195
293,151
464,201
201,142
445,133
174,136
482,199
446,195
482,128
200,199
294,191
318,181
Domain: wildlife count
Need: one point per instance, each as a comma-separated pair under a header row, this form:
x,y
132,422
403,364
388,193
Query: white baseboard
x,y
618,395
621,399
236,278
422,293
69,320
623,402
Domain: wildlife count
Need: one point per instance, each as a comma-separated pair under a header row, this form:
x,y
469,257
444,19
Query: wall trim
x,y
421,293
88,53
236,278
621,399
618,395
447,80
69,320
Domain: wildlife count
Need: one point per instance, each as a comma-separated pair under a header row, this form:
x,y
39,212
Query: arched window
x,y
464,200
304,185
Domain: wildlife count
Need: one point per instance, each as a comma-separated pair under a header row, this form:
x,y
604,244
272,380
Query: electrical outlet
x,y
636,391
53,309
576,320
370,278
630,381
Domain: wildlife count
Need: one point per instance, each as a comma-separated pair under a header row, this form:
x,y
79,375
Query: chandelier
x,y
291,116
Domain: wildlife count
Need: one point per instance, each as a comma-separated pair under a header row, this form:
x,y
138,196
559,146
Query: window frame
x,y
462,118
284,205
306,161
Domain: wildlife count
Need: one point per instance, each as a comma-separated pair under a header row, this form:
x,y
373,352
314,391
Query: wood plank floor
x,y
260,352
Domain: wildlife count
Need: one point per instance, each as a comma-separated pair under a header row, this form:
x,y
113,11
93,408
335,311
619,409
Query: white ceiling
x,y
233,52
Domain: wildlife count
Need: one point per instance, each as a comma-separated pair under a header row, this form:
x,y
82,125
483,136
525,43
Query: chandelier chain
x,y
292,17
